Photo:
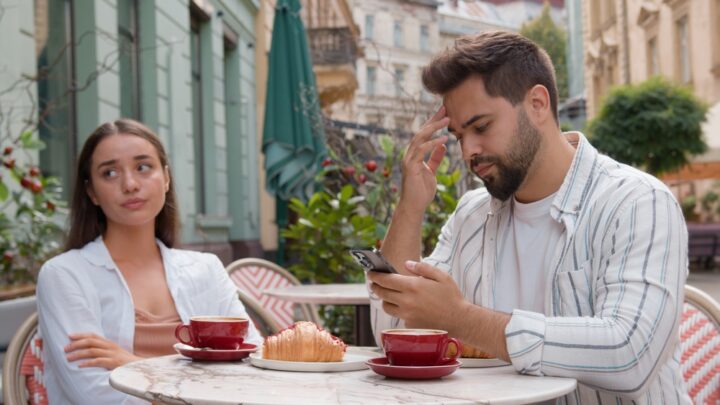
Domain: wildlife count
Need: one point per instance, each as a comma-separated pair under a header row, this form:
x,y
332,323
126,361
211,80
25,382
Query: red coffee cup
x,y
418,347
214,332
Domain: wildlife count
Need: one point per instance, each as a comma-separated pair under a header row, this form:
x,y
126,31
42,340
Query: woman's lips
x,y
133,204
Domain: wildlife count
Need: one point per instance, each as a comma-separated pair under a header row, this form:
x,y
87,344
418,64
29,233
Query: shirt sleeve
x,y
636,280
64,308
229,301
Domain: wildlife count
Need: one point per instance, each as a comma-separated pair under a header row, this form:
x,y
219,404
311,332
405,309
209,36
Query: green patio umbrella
x,y
293,136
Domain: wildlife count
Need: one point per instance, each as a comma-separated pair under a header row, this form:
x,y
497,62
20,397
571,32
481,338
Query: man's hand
x,y
431,300
101,352
419,182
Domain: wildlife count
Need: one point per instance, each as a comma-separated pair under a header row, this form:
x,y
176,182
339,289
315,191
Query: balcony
x,y
334,52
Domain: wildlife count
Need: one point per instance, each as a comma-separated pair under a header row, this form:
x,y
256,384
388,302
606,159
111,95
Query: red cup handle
x,y
458,351
178,335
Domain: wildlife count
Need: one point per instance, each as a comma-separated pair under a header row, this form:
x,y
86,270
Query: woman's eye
x,y
144,167
110,173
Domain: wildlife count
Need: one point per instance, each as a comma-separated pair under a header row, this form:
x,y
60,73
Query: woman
x,y
120,289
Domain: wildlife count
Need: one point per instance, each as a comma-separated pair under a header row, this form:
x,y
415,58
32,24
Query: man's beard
x,y
512,169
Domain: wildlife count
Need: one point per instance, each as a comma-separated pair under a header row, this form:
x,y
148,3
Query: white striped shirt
x,y
614,292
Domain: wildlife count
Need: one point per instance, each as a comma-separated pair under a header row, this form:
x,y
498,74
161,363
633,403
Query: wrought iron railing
x,y
332,46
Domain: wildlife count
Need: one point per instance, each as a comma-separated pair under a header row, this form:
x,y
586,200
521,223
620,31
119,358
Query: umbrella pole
x,y
281,218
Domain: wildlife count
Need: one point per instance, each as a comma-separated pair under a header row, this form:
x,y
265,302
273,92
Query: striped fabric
x,y
253,280
612,291
700,358
32,368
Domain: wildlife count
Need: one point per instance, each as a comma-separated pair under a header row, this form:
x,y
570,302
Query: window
x,y
397,34
683,47
399,81
128,59
424,38
716,39
652,58
197,111
55,83
369,26
371,78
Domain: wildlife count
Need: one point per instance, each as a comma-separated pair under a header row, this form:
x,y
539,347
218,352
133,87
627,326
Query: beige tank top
x,y
154,335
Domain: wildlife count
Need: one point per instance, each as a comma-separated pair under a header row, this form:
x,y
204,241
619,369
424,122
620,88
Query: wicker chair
x,y
253,275
264,321
700,345
22,377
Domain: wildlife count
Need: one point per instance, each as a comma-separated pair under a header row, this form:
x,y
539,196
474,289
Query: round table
x,y
334,294
177,380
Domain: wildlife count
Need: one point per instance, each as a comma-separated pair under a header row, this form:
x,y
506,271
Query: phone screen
x,y
372,260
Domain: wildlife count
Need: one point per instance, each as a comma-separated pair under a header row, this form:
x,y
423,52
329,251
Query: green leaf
x,y
4,193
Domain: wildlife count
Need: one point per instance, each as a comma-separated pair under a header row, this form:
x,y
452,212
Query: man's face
x,y
498,141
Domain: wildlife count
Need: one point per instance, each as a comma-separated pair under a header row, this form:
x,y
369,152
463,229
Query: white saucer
x,y
468,362
353,360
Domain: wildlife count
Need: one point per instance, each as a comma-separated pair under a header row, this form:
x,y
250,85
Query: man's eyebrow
x,y
473,119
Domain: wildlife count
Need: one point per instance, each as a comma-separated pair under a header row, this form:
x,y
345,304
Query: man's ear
x,y
538,106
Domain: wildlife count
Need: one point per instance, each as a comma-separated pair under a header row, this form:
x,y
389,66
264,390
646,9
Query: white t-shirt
x,y
524,256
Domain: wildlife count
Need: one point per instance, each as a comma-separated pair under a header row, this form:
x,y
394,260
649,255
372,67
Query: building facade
x,y
186,69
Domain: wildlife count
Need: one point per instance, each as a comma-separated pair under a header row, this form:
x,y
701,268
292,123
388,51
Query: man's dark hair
x,y
508,63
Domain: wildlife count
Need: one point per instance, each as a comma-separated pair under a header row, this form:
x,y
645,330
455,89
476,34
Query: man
x,y
566,264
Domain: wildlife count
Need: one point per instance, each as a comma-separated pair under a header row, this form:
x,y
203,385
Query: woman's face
x,y
127,180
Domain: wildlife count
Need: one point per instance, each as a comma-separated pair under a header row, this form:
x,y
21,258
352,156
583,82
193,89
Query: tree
x,y
543,31
655,125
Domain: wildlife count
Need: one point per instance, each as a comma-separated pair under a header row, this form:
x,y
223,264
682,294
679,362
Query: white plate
x,y
353,360
479,363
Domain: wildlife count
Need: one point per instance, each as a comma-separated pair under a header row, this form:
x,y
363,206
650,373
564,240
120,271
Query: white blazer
x,y
82,290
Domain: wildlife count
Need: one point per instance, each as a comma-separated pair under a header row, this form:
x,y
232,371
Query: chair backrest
x,y
700,346
23,367
264,322
254,275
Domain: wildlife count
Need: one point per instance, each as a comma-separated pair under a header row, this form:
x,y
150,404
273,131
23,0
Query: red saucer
x,y
381,366
215,355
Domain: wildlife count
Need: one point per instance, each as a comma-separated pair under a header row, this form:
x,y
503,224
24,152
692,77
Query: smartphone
x,y
372,260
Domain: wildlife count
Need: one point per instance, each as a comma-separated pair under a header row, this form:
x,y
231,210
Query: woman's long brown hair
x,y
87,221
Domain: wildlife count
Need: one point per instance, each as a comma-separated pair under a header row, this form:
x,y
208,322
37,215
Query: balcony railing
x,y
332,46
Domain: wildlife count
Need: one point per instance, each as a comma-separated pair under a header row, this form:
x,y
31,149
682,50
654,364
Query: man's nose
x,y
470,148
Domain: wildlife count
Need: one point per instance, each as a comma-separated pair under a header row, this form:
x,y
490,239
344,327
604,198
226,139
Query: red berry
x,y
49,205
8,150
362,178
25,182
349,170
393,188
378,244
371,165
34,171
7,256
36,186
9,163
326,162
386,172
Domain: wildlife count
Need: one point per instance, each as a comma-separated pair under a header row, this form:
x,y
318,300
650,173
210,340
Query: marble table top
x,y
177,380
338,294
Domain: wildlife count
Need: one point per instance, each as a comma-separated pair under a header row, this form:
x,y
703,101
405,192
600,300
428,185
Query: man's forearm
x,y
403,239
482,328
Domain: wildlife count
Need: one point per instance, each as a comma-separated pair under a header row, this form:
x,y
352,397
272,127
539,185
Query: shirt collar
x,y
97,253
575,188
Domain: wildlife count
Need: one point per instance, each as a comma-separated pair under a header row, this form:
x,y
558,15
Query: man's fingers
x,y
85,354
436,157
425,270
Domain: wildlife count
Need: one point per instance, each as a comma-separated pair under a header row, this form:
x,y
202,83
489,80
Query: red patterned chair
x,y
700,344
264,322
23,367
253,276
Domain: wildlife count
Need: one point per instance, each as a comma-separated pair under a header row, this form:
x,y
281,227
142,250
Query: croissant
x,y
469,352
304,341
